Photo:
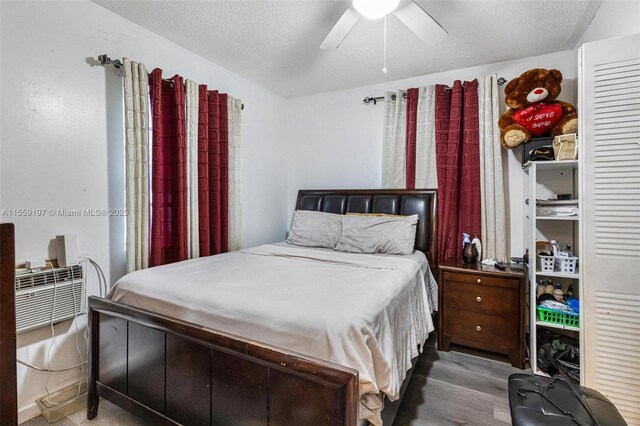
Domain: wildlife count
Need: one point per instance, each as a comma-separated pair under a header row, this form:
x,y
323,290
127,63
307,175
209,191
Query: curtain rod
x,y
369,99
117,63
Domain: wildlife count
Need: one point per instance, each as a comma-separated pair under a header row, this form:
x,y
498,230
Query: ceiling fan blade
x,y
421,23
340,29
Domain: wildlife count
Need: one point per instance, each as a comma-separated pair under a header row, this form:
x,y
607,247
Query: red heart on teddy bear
x,y
538,118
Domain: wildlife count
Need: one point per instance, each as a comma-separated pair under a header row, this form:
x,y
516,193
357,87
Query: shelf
x,y
552,165
558,326
556,274
539,372
545,178
569,218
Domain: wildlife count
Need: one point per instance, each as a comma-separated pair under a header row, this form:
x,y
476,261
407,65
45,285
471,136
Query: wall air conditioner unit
x,y
35,292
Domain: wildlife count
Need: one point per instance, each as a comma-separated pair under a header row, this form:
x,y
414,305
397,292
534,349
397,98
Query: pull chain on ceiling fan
x,y
384,48
411,15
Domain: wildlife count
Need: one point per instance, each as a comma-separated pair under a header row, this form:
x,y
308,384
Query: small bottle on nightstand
x,y
476,242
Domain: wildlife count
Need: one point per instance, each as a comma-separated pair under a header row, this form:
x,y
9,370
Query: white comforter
x,y
368,312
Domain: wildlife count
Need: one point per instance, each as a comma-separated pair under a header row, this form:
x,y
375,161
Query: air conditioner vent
x,y
55,294
48,277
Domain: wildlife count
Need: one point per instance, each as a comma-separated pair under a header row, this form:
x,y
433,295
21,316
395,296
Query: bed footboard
x,y
169,371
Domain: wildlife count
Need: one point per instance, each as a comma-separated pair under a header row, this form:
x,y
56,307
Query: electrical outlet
x,y
35,263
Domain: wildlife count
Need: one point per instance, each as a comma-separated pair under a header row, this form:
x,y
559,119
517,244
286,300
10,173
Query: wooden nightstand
x,y
482,307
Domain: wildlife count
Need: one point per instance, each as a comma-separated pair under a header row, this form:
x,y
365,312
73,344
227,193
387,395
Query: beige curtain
x,y
136,97
426,173
393,140
235,172
191,101
493,211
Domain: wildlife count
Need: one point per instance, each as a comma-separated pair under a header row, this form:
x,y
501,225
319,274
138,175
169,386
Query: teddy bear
x,y
533,108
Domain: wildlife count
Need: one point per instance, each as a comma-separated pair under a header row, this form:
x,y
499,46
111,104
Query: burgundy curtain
x,y
458,165
224,173
410,152
213,167
169,230
203,172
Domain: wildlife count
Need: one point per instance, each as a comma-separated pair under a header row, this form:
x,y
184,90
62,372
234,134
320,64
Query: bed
x,y
179,367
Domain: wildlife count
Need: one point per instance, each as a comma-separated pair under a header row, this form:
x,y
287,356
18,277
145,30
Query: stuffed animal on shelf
x,y
533,108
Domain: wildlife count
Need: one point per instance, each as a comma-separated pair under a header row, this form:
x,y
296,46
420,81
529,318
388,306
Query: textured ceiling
x,y
275,42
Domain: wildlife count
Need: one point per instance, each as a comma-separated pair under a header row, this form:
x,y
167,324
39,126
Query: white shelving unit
x,y
546,179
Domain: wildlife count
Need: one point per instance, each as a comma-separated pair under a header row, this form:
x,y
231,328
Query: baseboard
x,y
28,412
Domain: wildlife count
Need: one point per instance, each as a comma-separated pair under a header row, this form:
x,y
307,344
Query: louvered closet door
x,y
610,163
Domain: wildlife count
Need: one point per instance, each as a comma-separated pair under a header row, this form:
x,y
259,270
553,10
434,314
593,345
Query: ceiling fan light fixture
x,y
375,9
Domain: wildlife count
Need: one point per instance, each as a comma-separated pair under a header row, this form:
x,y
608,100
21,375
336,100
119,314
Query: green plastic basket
x,y
572,320
557,317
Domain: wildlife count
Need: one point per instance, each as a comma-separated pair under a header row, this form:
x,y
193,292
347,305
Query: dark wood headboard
x,y
423,202
8,384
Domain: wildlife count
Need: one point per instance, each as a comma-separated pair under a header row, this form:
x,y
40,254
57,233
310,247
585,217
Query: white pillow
x,y
378,234
315,229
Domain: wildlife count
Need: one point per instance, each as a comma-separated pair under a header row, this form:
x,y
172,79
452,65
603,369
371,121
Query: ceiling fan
x,y
412,15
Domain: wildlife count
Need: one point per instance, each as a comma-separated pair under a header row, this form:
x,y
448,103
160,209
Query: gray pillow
x,y
378,234
315,229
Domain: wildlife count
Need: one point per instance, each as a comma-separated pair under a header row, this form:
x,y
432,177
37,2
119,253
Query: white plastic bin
x,y
566,265
545,263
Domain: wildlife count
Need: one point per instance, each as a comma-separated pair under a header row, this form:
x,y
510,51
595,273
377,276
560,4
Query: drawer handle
x,y
478,328
479,280
478,299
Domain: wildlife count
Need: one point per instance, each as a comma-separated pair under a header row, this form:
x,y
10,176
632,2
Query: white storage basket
x,y
566,265
545,263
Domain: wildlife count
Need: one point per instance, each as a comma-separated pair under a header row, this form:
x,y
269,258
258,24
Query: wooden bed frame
x,y
8,382
169,371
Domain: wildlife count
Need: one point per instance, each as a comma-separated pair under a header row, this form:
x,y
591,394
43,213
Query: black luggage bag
x,y
541,401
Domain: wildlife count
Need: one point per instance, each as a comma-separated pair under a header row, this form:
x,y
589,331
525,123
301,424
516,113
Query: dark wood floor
x,y
447,388
457,388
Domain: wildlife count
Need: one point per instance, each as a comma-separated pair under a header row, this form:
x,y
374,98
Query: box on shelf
x,y
557,208
566,265
538,149
565,147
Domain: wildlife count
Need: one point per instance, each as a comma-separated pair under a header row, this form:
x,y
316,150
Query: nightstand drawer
x,y
481,279
482,328
484,299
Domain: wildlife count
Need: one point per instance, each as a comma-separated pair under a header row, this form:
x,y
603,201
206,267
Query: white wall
x,y
613,19
60,138
335,141
61,144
